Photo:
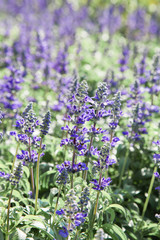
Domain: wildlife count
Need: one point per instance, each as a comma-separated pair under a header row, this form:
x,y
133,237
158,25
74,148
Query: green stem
x,y
149,192
89,149
111,137
37,177
94,216
9,204
124,166
56,205
73,161
77,233
32,181
31,169
15,156
95,208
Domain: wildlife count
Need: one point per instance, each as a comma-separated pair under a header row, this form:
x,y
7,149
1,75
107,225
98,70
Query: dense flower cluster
x,y
9,86
14,177
74,212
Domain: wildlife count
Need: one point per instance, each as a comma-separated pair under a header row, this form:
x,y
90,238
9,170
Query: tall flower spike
x,y
63,177
30,121
16,176
116,111
83,201
102,92
82,91
156,62
44,127
73,86
27,109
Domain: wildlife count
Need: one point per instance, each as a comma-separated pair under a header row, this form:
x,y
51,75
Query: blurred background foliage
x,y
131,4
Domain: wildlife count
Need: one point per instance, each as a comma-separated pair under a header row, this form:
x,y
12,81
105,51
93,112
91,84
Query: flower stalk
x,y
149,192
14,160
123,167
37,177
8,210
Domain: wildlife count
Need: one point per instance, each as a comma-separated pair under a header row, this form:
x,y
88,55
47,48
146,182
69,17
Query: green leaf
x,y
26,171
17,212
114,231
100,218
111,212
78,181
31,218
56,234
47,173
117,207
53,192
18,195
19,235
1,235
45,213
5,192
106,196
40,226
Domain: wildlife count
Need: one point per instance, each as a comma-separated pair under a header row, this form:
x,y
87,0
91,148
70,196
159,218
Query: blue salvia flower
x,y
77,103
16,175
115,111
155,77
8,87
71,208
74,213
102,184
63,232
155,73
83,201
28,122
101,93
31,122
110,19
73,86
141,68
63,177
69,168
60,64
111,82
82,91
136,125
28,157
44,127
124,59
27,109
136,22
